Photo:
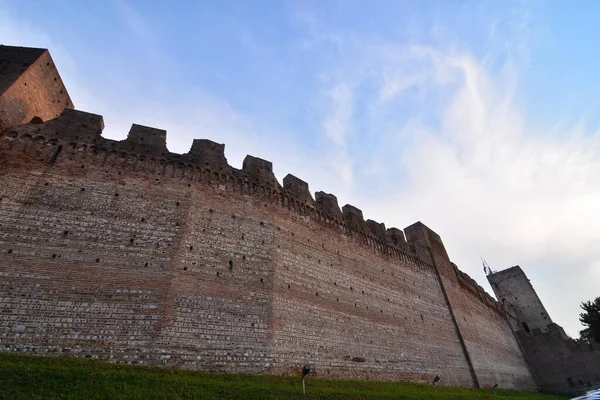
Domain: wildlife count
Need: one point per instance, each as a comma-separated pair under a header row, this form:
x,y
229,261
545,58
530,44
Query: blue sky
x,y
478,118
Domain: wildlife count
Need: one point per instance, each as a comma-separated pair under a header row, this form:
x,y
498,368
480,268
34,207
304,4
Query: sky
x,y
478,118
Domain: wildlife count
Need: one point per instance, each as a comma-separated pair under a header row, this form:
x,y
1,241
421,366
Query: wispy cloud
x,y
455,148
337,127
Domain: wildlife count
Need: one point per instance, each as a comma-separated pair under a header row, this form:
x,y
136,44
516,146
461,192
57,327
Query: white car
x,y
591,395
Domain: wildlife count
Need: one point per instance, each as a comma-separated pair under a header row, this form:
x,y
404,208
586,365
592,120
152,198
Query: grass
x,y
36,377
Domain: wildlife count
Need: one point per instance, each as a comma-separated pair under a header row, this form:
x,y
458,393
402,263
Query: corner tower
x,y
518,297
31,89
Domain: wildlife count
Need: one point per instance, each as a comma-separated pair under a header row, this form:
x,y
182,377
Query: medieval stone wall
x,y
127,252
356,312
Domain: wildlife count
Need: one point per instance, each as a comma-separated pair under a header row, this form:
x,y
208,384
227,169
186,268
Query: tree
x,y
590,318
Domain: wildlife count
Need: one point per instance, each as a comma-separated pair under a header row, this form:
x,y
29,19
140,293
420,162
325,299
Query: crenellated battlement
x,y
194,263
298,188
79,134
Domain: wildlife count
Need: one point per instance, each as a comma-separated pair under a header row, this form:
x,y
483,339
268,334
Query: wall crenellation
x,y
125,251
79,134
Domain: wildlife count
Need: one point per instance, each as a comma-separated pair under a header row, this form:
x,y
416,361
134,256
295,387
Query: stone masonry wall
x,y
354,312
560,365
127,252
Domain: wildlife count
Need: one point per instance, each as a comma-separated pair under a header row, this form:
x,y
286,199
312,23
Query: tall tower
x,y
31,89
514,291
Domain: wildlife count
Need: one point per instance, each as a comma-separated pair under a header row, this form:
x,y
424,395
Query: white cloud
x,y
337,126
490,185
452,146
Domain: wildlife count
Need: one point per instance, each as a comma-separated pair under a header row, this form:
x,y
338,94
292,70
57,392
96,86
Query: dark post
x,y
435,380
305,370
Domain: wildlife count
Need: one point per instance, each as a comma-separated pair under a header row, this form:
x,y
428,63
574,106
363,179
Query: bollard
x,y
305,370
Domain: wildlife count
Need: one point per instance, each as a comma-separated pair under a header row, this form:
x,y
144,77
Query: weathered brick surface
x,y
356,312
124,251
491,350
30,86
127,252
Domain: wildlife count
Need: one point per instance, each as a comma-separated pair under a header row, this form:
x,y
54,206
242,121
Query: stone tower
x,y
31,89
518,297
558,364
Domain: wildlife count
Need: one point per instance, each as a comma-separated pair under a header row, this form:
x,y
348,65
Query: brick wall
x,y
124,251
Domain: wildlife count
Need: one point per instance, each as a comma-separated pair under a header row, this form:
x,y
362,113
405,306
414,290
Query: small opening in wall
x,y
262,280
335,283
218,273
145,265
261,223
130,240
97,260
243,237
83,189
53,255
116,194
526,327
185,268
288,286
337,299
191,247
210,210
143,220
316,294
65,233
243,257
351,288
233,216
9,251
230,265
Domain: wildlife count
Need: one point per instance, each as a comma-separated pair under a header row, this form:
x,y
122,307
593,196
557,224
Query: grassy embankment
x,y
34,377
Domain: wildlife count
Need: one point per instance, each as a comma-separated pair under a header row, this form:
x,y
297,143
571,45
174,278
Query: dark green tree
x,y
590,318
